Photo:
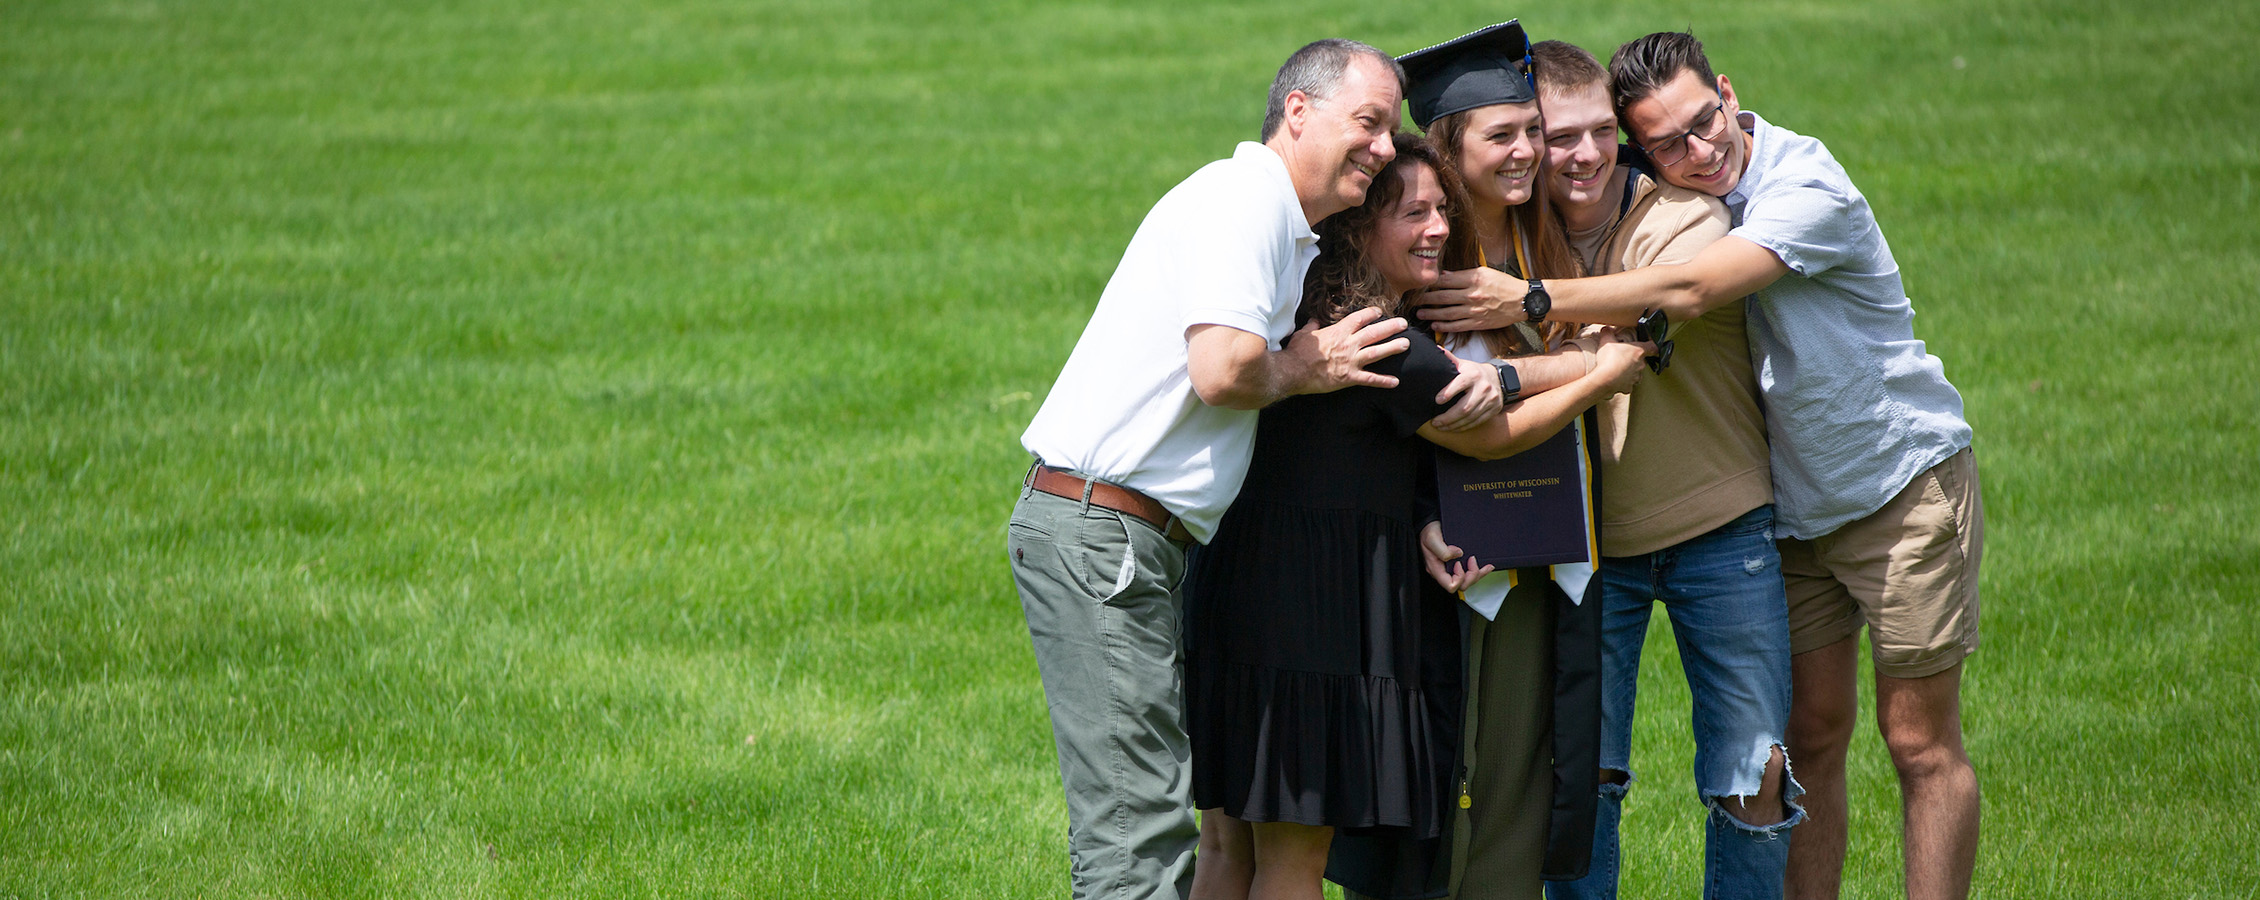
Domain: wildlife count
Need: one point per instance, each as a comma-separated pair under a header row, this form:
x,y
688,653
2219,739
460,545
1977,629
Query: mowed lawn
x,y
562,448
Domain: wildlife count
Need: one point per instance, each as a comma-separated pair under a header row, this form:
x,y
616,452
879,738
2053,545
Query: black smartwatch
x,y
1510,381
1537,303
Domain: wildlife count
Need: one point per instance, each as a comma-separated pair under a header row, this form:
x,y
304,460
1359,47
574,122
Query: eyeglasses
x,y
1673,149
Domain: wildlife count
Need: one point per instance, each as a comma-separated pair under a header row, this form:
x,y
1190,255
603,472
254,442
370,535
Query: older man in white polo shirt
x,y
1145,438
1875,487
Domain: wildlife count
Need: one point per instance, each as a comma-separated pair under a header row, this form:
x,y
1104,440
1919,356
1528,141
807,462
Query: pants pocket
x,y
1105,561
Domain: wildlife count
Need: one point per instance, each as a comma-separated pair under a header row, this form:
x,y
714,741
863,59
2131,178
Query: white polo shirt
x,y
1855,405
1228,246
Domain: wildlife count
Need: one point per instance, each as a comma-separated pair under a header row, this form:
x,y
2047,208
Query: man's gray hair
x,y
1316,70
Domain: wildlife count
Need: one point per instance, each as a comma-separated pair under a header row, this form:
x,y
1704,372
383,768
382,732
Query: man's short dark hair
x,y
1316,70
1644,65
1564,67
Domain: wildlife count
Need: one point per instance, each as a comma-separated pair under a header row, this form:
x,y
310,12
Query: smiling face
x,y
1687,103
1499,153
1407,243
1334,146
1581,147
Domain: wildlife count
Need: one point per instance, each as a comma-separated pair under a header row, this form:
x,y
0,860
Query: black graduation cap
x,y
1477,69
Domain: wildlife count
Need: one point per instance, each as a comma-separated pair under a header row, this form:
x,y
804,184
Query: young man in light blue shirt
x,y
1875,487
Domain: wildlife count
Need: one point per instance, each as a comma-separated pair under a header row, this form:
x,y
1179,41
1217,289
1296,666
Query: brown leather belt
x,y
1115,497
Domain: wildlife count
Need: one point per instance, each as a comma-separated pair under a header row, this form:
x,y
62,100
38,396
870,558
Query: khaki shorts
x,y
1908,571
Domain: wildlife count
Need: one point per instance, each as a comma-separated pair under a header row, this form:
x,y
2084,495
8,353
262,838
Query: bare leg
x,y
1290,861
1921,721
1824,706
1226,862
1764,807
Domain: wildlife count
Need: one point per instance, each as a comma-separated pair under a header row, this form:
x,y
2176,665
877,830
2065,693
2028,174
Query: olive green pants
x,y
1499,836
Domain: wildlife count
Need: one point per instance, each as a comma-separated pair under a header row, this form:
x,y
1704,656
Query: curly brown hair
x,y
1342,280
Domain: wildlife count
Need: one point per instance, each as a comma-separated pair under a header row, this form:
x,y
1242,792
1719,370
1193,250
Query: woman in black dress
x,y
1323,672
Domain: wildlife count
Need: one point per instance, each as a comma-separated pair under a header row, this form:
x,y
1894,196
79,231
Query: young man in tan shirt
x,y
1687,518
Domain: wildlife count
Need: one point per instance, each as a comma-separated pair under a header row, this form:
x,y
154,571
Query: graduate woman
x,y
1525,805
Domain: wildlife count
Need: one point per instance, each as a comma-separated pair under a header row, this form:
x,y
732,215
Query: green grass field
x,y
562,449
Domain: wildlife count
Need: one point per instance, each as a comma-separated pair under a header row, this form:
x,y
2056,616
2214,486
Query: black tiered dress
x,y
1323,679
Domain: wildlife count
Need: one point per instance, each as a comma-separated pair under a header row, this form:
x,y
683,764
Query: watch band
x,y
1536,303
1510,381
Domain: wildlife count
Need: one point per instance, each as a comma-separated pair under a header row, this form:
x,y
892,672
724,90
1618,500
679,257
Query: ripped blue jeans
x,y
1730,617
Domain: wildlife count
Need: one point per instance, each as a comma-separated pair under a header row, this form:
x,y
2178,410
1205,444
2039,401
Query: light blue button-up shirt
x,y
1855,407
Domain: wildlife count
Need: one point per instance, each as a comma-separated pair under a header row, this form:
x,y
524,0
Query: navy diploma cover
x,y
1529,509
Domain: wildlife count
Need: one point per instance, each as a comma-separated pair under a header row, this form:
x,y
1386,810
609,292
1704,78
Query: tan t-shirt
x,y
1685,451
